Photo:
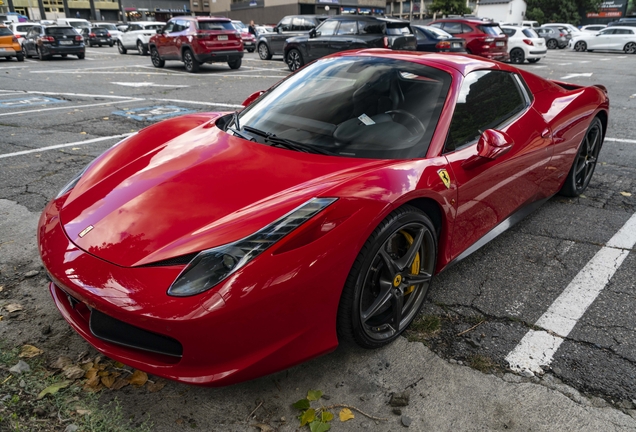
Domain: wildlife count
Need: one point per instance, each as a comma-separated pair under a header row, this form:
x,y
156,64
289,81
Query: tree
x,y
450,7
564,11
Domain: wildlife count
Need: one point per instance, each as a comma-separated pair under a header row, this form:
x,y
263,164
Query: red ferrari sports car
x,y
218,247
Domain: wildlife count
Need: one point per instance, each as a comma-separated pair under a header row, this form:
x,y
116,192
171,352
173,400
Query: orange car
x,y
9,45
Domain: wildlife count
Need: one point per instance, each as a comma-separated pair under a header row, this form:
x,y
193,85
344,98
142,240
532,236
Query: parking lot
x,y
55,116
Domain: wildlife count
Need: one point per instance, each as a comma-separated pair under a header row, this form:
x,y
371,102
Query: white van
x,y
78,23
531,24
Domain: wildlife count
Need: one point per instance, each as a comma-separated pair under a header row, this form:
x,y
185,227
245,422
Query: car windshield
x,y
354,107
153,27
100,31
530,33
441,34
493,30
5,32
60,31
23,28
216,25
78,24
108,26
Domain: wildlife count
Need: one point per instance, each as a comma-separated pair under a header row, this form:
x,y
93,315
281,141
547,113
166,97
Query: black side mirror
x,y
312,33
279,30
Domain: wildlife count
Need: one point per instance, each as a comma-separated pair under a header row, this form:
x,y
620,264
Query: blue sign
x,y
28,101
153,113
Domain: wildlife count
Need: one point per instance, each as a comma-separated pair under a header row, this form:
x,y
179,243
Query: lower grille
x,y
118,332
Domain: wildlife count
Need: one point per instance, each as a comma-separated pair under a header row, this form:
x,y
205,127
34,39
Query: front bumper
x,y
218,56
252,324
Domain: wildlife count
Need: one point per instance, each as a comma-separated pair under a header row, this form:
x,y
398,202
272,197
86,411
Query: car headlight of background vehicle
x,y
214,265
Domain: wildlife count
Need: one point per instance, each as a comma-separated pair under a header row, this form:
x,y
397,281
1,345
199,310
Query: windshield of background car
x,y
153,27
215,25
398,29
4,31
108,26
23,28
530,33
441,34
355,107
100,31
60,31
493,30
78,24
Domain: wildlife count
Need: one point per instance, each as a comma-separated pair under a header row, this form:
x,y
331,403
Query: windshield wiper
x,y
236,130
287,143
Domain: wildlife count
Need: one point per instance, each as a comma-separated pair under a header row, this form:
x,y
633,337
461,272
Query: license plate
x,y
102,40
221,37
500,44
66,42
456,44
3,49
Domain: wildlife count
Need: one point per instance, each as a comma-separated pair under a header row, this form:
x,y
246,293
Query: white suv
x,y
524,44
137,36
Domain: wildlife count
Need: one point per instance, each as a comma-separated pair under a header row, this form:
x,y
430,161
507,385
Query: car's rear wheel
x,y
294,60
191,64
583,166
156,58
389,280
533,60
235,64
263,52
110,44
630,48
81,56
580,46
552,44
20,57
517,56
141,49
121,48
40,55
250,50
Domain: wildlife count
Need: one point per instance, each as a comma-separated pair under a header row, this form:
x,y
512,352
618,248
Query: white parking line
x,y
537,347
71,72
53,147
621,139
14,113
13,67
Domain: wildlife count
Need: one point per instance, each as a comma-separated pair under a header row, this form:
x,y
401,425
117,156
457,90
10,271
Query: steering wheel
x,y
408,120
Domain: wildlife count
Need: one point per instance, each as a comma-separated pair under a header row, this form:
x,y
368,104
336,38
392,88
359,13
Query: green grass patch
x,y
481,363
424,328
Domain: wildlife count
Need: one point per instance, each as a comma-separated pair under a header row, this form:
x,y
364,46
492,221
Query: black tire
x,y
20,56
90,44
533,60
81,56
156,59
121,48
376,289
585,161
110,44
517,56
40,55
141,49
580,46
64,55
250,50
630,48
263,51
552,44
99,45
235,64
294,60
468,51
191,64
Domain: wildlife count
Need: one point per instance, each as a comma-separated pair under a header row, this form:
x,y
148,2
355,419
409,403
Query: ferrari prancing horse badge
x,y
443,174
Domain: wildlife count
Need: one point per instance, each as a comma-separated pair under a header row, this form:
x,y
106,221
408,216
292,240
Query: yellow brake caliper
x,y
415,268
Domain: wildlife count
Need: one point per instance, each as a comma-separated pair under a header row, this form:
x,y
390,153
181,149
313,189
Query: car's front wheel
x,y
580,46
294,60
191,64
585,161
389,280
263,51
517,56
157,61
121,48
630,48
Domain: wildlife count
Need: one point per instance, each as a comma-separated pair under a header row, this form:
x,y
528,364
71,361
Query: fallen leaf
x,y
105,118
318,426
82,133
54,388
313,395
29,351
302,404
1,288
61,363
308,416
103,373
73,372
91,373
345,414
155,387
118,364
108,381
119,383
138,378
326,416
263,427
83,412
13,307
626,194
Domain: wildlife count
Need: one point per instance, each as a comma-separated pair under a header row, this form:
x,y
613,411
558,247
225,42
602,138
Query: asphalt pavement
x,y
55,116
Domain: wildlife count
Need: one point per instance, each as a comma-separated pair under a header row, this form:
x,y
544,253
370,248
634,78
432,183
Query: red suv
x,y
197,40
483,38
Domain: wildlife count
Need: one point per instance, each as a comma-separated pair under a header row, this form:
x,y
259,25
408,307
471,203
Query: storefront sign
x,y
609,9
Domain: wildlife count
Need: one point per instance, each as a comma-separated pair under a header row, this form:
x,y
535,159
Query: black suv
x,y
45,42
97,36
269,44
348,32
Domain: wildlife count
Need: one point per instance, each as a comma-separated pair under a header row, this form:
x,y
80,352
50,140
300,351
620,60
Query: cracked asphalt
x,y
484,305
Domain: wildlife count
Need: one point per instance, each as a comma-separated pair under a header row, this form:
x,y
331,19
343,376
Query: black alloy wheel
x,y
294,60
263,51
586,158
630,48
191,64
121,48
517,56
552,44
389,280
156,58
580,46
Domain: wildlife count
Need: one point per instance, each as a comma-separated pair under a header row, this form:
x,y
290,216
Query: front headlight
x,y
214,265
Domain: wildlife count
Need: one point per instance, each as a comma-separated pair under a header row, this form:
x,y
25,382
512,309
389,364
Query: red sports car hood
x,y
202,188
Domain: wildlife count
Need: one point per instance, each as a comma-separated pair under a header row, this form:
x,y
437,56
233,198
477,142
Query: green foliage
x,y
318,426
302,404
317,419
308,416
449,7
314,395
563,11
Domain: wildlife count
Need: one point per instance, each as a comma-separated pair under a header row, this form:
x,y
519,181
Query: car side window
x,y
487,99
437,25
370,27
169,28
134,27
328,28
420,35
607,32
466,28
453,28
509,32
347,28
286,24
